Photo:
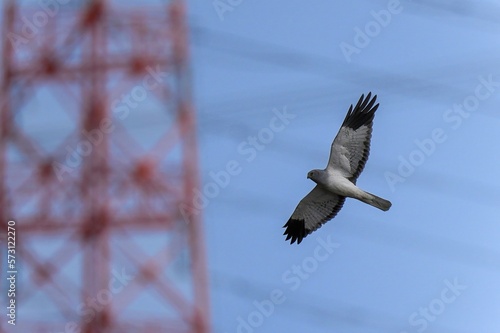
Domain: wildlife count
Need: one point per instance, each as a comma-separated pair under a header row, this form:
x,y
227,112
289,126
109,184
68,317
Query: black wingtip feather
x,y
363,112
295,230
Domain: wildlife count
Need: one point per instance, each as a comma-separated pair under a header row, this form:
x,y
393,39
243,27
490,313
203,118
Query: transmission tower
x,y
97,155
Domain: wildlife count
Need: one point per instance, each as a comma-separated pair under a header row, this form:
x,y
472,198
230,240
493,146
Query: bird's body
x,y
337,181
333,181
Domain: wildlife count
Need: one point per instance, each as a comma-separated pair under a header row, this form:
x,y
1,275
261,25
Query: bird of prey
x,y
348,156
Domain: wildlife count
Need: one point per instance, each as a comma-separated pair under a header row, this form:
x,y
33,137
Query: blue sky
x,y
272,82
426,65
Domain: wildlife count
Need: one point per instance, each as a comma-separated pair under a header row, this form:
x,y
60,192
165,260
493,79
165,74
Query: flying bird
x,y
348,155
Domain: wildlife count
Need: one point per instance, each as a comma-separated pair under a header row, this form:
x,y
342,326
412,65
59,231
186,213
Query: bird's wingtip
x,y
295,230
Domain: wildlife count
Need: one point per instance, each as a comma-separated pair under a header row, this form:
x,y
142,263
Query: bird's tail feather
x,y
375,201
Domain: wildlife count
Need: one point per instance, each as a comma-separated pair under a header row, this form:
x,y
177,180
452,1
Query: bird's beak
x,y
308,177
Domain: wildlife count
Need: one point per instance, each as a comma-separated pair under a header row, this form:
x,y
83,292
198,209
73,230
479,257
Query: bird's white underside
x,y
337,183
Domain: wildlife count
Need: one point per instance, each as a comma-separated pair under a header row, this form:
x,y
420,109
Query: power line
x,y
270,53
314,306
483,11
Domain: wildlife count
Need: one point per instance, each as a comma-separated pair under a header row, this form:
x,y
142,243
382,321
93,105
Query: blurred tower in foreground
x,y
97,154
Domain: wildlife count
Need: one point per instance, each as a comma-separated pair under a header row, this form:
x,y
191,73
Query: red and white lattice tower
x,y
97,155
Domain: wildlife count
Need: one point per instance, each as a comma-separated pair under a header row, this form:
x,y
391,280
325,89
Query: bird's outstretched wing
x,y
316,208
351,146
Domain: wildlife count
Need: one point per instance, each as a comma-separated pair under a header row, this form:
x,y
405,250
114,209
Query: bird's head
x,y
314,175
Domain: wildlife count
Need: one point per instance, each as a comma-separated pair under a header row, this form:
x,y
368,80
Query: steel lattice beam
x,y
102,244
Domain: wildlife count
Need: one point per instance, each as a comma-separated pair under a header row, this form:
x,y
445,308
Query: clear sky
x,y
431,263
272,81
